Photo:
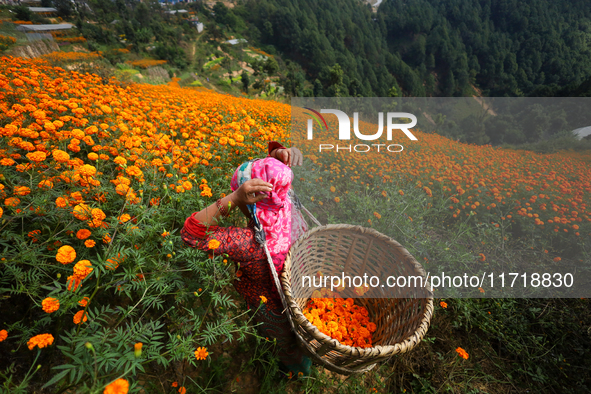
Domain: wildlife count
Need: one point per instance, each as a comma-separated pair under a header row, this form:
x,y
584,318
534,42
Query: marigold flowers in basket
x,y
340,318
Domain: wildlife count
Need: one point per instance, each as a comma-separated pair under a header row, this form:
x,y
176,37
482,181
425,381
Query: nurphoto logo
x,y
345,130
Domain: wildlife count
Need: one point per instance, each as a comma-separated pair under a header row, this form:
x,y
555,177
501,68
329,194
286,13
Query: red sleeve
x,y
274,145
236,242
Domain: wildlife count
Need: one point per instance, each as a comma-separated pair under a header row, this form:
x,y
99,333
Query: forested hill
x,y
429,47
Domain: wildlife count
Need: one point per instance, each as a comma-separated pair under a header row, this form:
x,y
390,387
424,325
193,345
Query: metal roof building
x,y
40,28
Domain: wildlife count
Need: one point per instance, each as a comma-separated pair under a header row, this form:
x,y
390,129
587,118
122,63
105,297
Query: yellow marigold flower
x,y
50,304
82,269
263,299
37,156
89,243
66,254
3,335
213,244
93,156
41,340
119,386
124,218
201,353
80,317
332,189
187,185
83,234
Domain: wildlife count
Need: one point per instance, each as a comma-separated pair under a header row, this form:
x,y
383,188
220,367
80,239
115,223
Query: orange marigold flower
x,y
462,353
82,212
98,214
37,156
201,353
66,254
80,317
93,156
73,282
263,299
182,390
86,170
134,171
122,189
60,156
443,304
50,304
22,190
137,349
3,335
175,384
213,244
82,269
377,215
83,302
337,200
124,218
12,201
482,257
83,234
119,386
61,202
557,259
89,243
1,212
41,340
46,183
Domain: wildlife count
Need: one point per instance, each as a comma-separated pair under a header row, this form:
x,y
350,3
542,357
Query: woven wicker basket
x,y
401,322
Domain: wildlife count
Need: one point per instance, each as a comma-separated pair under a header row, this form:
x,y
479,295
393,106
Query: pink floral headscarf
x,y
282,223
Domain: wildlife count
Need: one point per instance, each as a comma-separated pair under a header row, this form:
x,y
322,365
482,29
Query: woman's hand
x,y
252,191
289,157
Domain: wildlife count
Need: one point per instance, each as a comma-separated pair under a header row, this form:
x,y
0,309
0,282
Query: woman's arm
x,y
250,192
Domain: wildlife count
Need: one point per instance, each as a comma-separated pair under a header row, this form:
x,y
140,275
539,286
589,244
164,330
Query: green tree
x,y
245,78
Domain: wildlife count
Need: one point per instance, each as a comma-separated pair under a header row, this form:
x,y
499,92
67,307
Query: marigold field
x,y
96,180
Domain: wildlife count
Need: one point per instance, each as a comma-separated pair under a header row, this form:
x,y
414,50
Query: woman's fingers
x,y
297,159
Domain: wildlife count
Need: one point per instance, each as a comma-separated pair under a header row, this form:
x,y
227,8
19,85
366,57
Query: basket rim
x,y
384,350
